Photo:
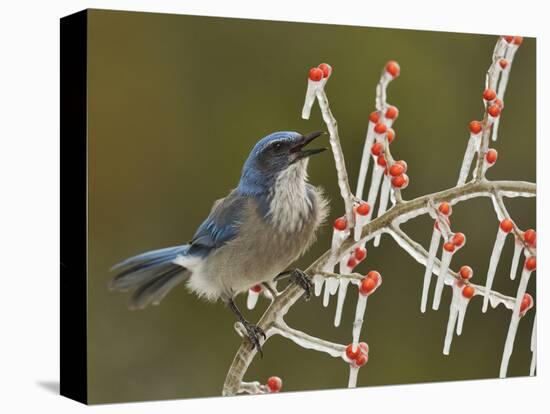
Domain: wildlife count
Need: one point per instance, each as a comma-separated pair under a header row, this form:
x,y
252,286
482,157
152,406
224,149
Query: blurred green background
x,y
176,103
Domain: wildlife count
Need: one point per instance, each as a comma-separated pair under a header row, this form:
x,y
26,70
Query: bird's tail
x,y
151,275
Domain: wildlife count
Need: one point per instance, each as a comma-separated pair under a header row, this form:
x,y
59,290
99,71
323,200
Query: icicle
x,y
514,322
360,221
353,372
312,87
365,159
358,323
471,149
533,348
493,263
384,195
462,307
329,286
518,247
457,311
342,290
453,314
318,282
377,174
445,262
434,244
252,299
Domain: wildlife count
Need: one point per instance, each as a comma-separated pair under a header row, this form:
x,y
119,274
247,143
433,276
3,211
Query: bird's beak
x,y
298,148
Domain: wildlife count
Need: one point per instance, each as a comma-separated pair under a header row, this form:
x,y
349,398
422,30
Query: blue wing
x,y
221,226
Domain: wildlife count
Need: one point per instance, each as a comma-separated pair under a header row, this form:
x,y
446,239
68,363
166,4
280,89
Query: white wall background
x,y
29,203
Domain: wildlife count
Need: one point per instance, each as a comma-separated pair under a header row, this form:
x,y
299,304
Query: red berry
x,y
377,148
363,209
256,288
506,225
499,103
468,292
530,237
352,262
518,40
396,169
494,110
274,384
491,156
459,239
350,353
509,39
392,112
466,272
367,286
361,359
475,127
374,275
360,253
401,181
503,63
489,94
380,128
403,163
449,246
374,117
392,67
315,74
531,263
390,135
445,208
340,224
381,161
526,303
326,68
370,283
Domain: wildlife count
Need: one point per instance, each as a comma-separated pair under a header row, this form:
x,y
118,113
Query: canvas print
x,y
284,206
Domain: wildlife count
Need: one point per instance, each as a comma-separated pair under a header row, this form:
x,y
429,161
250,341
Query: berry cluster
x,y
358,357
370,283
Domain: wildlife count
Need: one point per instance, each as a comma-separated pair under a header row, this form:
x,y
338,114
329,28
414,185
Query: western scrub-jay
x,y
250,237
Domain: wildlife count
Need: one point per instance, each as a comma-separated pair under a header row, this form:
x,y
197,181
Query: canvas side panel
x,y
73,126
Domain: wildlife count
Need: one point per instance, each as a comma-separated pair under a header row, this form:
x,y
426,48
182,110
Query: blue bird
x,y
250,237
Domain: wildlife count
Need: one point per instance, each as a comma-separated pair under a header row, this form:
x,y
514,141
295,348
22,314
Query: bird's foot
x,y
254,333
302,279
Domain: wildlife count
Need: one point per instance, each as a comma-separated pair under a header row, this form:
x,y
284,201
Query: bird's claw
x,y
254,332
302,279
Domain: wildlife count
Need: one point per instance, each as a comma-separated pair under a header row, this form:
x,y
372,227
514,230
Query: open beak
x,y
302,153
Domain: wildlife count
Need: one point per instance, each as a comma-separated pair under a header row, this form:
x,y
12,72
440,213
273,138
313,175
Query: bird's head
x,y
273,155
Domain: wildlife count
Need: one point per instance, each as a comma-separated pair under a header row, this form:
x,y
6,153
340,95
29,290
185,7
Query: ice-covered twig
x,y
517,312
418,253
518,248
308,341
471,149
434,245
253,388
374,117
503,229
338,154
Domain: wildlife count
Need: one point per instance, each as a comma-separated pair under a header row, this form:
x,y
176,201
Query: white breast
x,y
290,207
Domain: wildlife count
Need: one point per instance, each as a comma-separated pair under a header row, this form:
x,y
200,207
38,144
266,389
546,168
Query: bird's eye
x,y
277,146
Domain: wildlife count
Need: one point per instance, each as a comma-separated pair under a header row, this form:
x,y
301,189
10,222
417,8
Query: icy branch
x,y
399,213
307,341
339,161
